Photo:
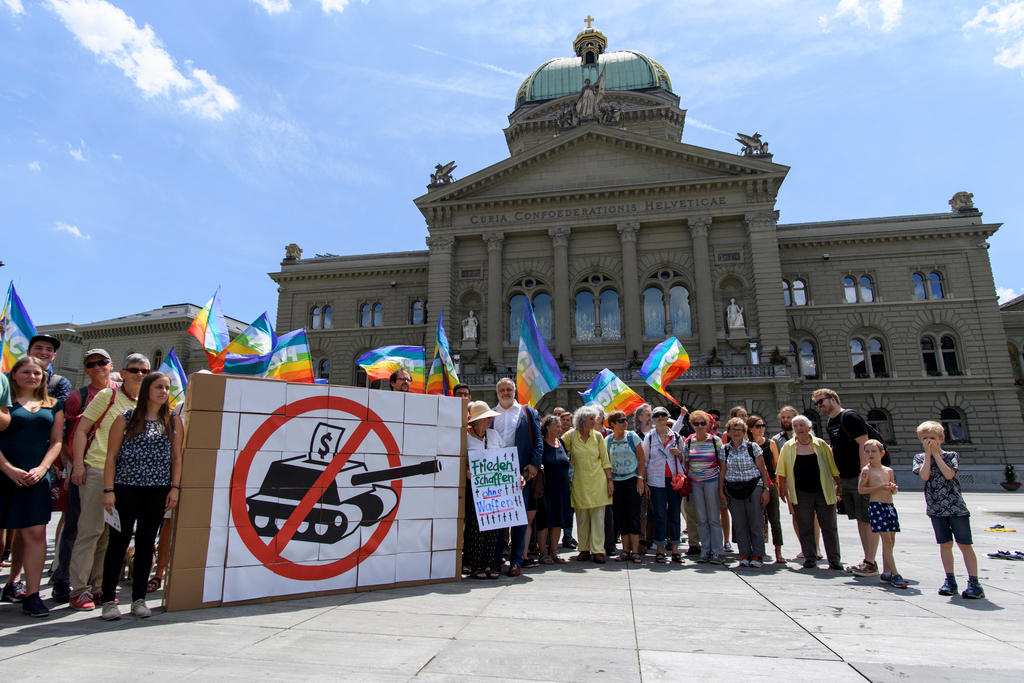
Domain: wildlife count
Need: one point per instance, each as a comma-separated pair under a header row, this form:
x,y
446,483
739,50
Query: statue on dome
x,y
962,201
442,174
589,99
292,252
753,146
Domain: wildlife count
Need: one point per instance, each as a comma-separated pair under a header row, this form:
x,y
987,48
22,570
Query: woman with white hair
x,y
592,486
808,477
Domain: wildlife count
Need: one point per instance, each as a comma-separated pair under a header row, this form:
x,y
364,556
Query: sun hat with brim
x,y
45,338
478,410
660,410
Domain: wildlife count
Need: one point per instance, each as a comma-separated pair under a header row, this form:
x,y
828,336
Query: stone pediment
x,y
599,159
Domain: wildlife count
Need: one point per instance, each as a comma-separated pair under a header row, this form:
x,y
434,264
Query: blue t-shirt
x,y
623,456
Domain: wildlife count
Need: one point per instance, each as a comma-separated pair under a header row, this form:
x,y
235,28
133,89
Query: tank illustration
x,y
332,518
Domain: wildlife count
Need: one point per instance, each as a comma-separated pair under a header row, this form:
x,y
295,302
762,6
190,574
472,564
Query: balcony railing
x,y
584,376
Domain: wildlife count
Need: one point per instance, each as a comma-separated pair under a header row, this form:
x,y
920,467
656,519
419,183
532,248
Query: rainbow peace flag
x,y
667,361
16,329
291,360
442,378
249,353
611,393
381,362
537,372
209,326
171,367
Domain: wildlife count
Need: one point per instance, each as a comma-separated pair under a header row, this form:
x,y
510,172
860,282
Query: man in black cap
x,y
44,347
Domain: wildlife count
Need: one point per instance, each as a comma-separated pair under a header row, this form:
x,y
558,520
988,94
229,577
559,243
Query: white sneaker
x,y
110,611
727,548
140,609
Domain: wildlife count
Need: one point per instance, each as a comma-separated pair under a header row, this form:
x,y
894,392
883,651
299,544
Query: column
x,y
772,322
705,294
561,310
439,287
630,301
495,305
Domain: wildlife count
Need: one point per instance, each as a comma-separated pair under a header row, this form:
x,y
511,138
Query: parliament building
x,y
620,234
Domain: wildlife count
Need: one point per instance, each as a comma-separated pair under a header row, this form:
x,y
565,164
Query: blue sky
x,y
150,151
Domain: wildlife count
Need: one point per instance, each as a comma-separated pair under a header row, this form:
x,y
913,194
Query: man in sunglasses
x,y
97,369
89,457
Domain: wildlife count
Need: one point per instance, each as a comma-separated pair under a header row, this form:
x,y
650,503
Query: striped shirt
x,y
702,457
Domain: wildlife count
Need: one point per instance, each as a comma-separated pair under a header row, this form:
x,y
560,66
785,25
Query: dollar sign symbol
x,y
325,445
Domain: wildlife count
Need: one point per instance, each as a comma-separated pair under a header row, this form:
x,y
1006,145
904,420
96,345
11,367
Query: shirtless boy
x,y
879,482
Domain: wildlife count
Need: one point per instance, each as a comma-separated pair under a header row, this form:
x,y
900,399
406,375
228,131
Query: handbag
x,y
741,490
681,485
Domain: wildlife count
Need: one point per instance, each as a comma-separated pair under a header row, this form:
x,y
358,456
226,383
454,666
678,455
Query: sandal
x,y
154,584
480,574
559,560
493,573
622,557
677,558
636,558
660,558
546,560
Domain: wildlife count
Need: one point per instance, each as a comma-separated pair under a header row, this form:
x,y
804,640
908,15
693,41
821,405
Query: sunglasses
x,y
699,424
137,371
820,401
760,425
620,420
100,363
660,416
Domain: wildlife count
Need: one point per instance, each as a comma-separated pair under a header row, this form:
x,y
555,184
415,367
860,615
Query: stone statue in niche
x,y
470,327
734,316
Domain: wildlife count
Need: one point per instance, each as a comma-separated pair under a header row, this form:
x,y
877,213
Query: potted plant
x,y
777,357
1011,483
714,359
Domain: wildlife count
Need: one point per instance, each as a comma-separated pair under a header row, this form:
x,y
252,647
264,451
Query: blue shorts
x,y
883,517
948,528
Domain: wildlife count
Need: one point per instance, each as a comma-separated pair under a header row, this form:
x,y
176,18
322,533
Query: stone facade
x,y
588,220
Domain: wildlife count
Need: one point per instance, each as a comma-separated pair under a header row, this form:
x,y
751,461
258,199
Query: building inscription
x,y
627,208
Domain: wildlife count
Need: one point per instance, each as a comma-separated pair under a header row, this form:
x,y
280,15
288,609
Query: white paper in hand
x,y
112,518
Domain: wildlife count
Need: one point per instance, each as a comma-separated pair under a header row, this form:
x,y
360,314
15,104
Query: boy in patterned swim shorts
x,y
879,482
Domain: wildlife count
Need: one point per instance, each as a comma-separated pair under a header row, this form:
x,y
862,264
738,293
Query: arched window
x,y
585,318
542,314
807,359
920,293
867,356
858,289
867,289
787,294
158,358
323,369
364,317
611,322
812,415
679,311
315,318
880,420
654,313
935,285
378,315
953,422
418,315
799,293
516,306
327,317
939,355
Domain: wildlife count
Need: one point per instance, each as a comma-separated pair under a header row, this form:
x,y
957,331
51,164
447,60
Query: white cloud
x,y
72,230
15,6
333,5
214,101
77,154
115,157
34,166
1007,293
859,12
697,123
274,6
114,38
1007,22
482,65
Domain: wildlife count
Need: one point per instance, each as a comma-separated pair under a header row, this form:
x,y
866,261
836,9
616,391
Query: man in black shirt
x,y
847,432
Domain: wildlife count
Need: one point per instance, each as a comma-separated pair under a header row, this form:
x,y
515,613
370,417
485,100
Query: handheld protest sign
x,y
292,490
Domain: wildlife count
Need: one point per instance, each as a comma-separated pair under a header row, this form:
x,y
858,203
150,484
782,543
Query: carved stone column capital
x,y
628,231
441,243
758,221
699,225
495,240
559,236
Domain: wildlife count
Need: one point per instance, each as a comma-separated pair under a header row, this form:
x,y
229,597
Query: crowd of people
x,y
632,490
107,456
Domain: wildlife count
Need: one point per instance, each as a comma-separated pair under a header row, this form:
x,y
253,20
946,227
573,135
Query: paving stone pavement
x,y
582,622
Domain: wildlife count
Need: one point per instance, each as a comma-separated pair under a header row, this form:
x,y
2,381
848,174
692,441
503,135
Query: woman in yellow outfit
x,y
592,488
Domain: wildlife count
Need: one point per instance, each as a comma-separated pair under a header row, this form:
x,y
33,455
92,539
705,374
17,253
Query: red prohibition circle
x,y
264,552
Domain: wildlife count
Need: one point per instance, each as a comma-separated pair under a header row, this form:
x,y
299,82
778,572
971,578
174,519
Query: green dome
x,y
624,70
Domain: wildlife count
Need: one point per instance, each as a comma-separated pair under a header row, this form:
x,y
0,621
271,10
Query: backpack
x,y
872,434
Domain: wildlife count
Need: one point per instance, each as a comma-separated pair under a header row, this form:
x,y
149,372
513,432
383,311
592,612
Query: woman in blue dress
x,y
30,440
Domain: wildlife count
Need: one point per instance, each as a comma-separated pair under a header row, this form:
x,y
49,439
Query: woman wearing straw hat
x,y
478,546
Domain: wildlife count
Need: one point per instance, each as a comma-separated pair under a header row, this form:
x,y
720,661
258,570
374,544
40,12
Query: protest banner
x,y
497,495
